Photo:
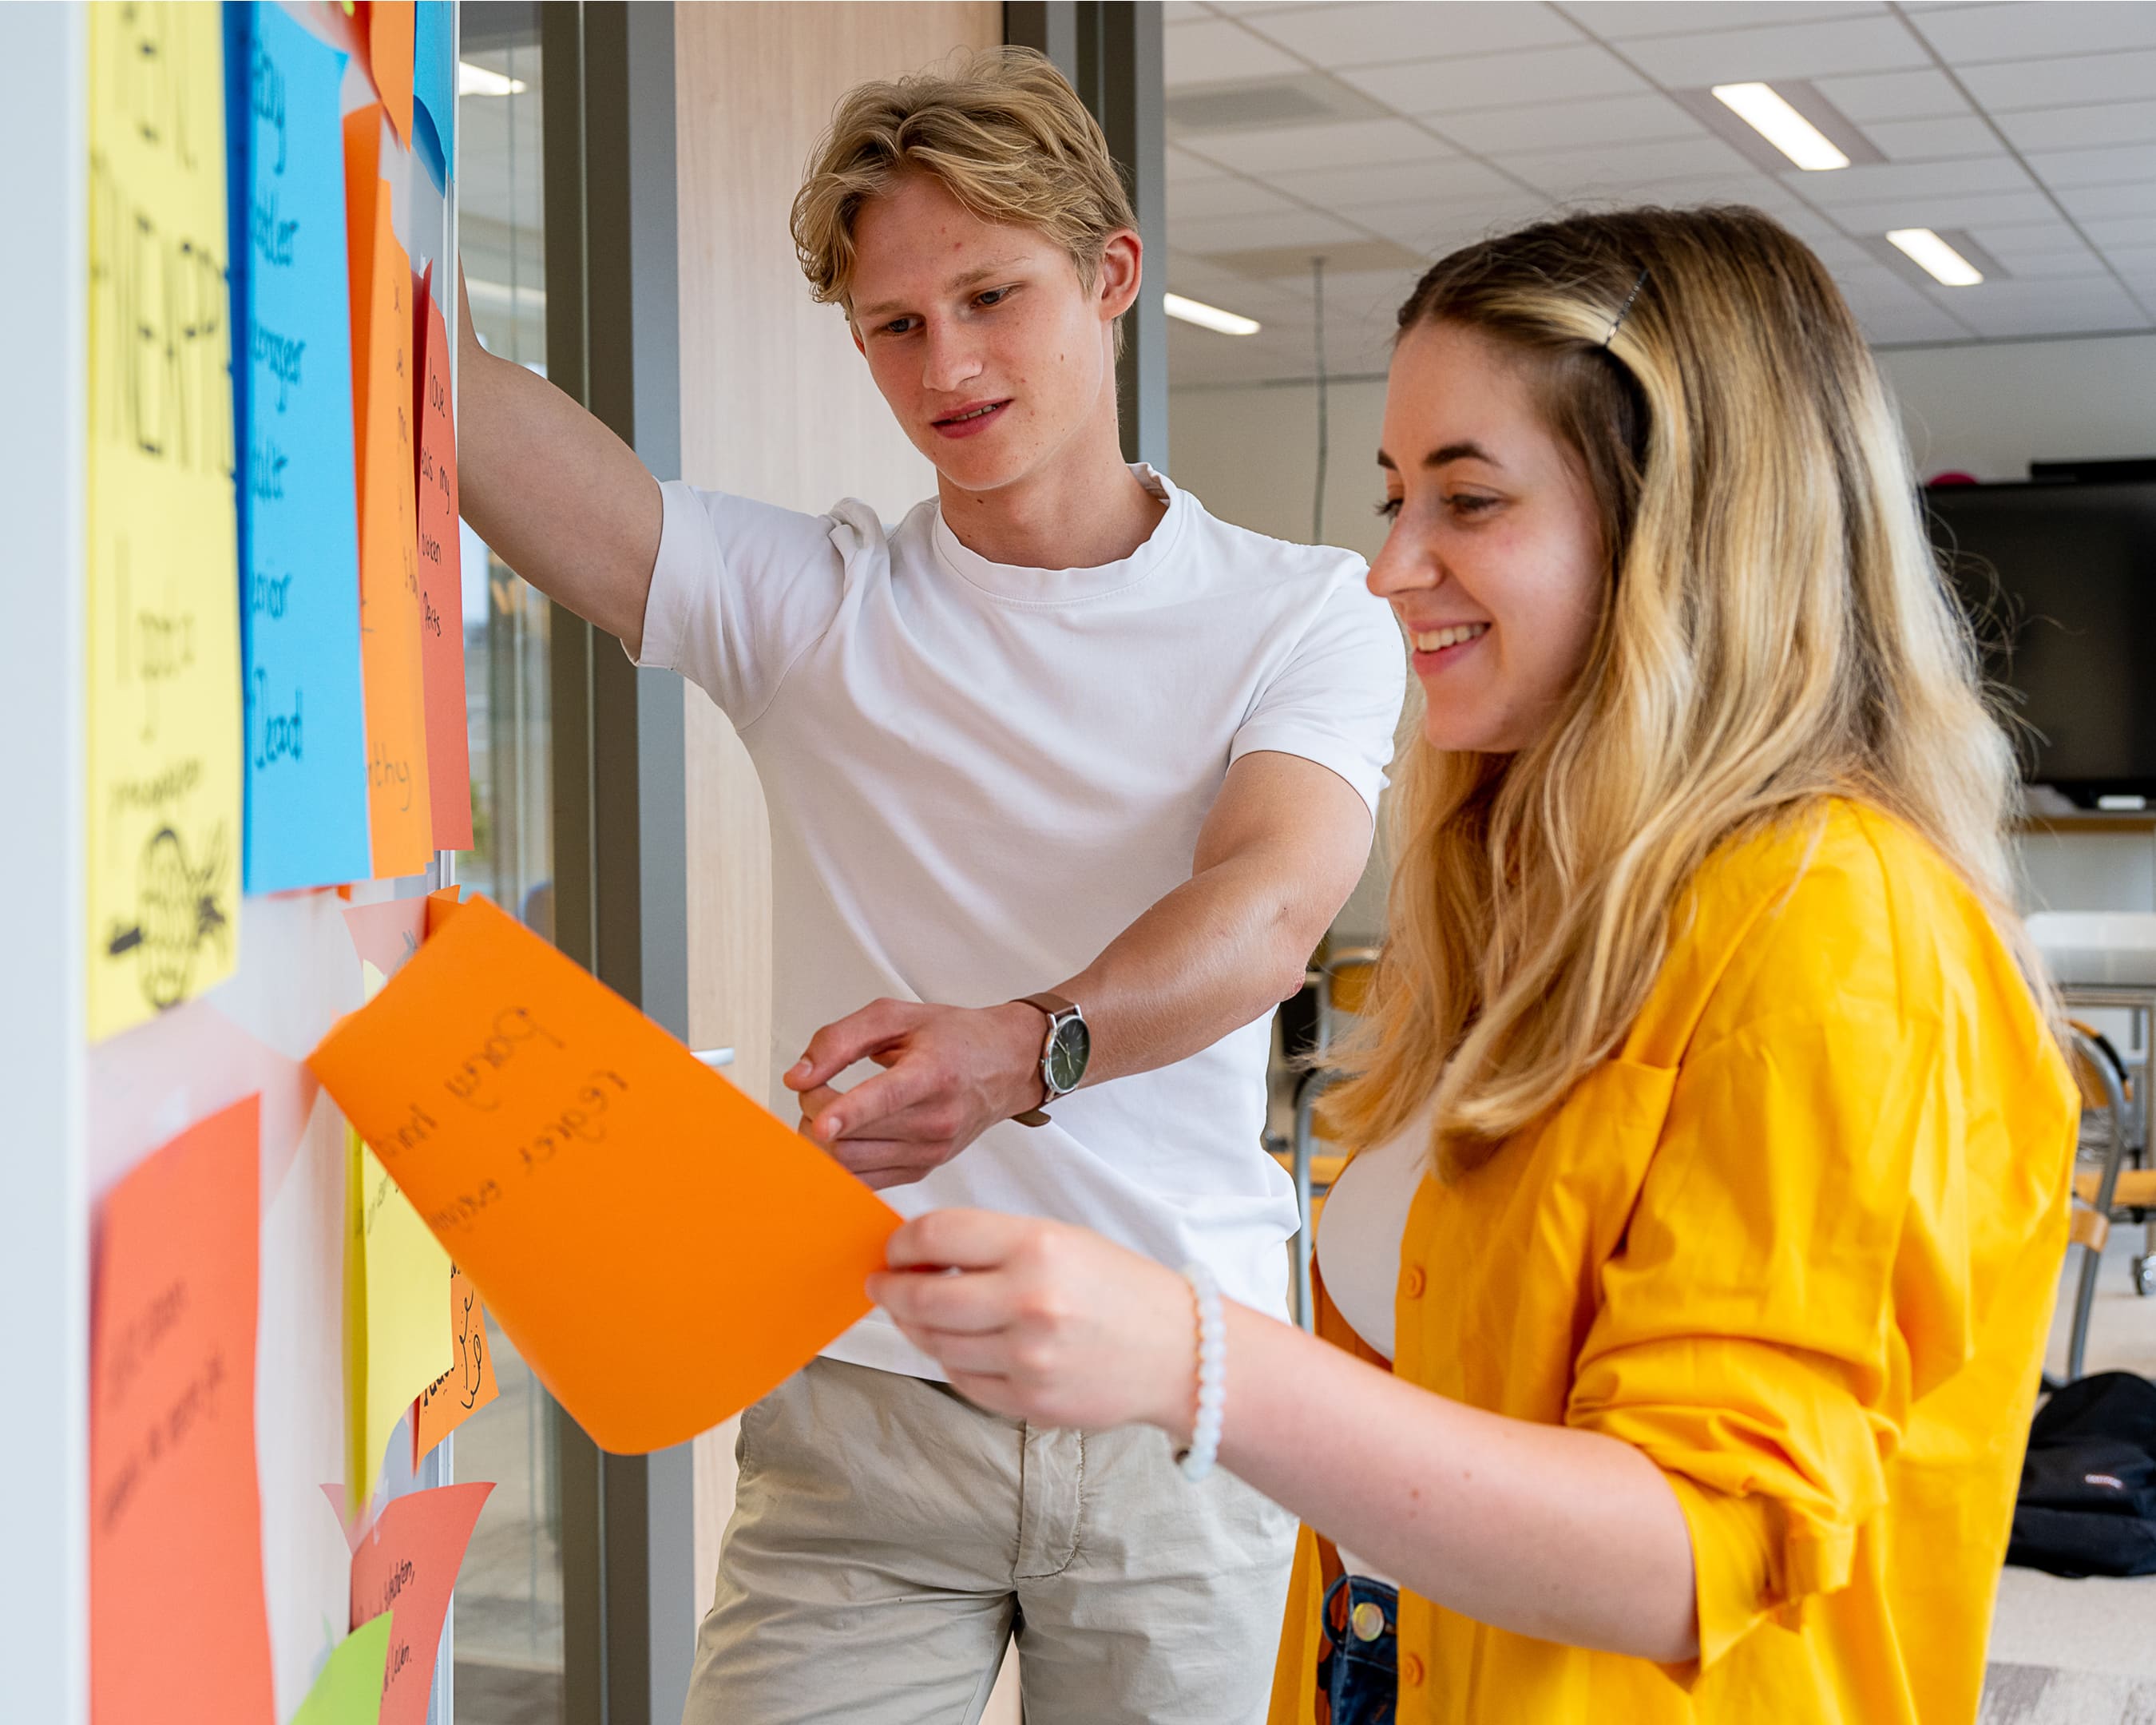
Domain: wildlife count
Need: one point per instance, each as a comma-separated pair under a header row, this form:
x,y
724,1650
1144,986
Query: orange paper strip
x,y
661,1250
441,595
390,24
407,1565
469,1384
179,1630
399,802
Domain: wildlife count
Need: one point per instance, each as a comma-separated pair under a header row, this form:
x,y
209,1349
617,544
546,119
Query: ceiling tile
x,y
2111,203
1620,20
1183,167
1199,200
1388,32
1606,120
1346,188
1434,227
2108,166
1535,76
2055,266
1820,50
1933,140
1943,212
1218,50
1234,233
1353,143
2064,81
2108,232
1870,183
1902,329
1180,11
2136,262
1971,35
2046,308
2083,127
2010,241
1633,168
1894,96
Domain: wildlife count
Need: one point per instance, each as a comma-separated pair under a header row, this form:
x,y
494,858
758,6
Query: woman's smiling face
x,y
1494,565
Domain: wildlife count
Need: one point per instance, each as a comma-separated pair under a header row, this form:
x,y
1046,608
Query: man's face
x,y
981,337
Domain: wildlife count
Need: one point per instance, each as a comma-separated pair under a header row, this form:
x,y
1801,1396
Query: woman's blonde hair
x,y
1776,631
1003,132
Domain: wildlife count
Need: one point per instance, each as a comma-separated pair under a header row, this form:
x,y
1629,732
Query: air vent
x,y
1267,102
1356,255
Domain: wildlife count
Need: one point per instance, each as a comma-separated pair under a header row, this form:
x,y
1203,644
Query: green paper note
x,y
349,1691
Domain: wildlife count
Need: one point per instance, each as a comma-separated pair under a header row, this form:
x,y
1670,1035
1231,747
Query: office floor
x,y
2083,1652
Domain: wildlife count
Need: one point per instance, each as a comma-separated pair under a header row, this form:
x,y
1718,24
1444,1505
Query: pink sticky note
x,y
407,1564
386,934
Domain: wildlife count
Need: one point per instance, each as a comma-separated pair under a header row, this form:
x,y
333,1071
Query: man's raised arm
x,y
561,500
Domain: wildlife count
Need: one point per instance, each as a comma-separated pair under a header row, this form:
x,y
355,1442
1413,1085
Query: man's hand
x,y
952,1072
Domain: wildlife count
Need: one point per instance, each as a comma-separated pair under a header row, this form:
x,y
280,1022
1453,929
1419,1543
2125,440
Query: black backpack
x,y
2088,1502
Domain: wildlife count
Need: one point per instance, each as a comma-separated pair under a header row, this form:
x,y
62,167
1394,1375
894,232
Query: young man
x,y
1066,780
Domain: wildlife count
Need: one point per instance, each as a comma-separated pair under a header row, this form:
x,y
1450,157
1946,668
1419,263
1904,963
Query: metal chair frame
x,y
2118,1118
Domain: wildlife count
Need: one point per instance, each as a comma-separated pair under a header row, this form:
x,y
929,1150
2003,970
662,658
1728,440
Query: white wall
x,y
1250,451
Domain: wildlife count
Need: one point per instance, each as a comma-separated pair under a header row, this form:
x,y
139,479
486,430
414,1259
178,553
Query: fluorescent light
x,y
1935,257
477,80
1210,317
1759,107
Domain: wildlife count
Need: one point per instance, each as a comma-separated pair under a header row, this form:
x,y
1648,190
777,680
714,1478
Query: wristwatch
x,y
1063,1055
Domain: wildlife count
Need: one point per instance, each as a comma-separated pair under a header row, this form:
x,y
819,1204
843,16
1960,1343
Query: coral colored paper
x,y
161,617
400,803
349,1690
661,1250
179,1630
386,934
405,1567
469,1382
441,583
390,44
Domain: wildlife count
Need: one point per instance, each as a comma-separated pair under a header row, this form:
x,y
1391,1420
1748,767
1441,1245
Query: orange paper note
x,y
469,1384
406,1564
660,1249
389,37
179,1630
441,591
399,801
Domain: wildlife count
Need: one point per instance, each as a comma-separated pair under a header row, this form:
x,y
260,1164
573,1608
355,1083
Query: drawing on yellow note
x,y
163,811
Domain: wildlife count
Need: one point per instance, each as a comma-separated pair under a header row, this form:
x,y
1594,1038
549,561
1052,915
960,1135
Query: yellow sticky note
x,y
397,1341
162,623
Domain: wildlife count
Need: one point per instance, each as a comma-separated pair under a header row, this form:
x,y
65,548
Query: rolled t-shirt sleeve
x,y
1336,698
739,590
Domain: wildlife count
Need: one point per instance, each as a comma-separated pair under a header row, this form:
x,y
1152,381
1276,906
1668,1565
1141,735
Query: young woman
x,y
1716,1140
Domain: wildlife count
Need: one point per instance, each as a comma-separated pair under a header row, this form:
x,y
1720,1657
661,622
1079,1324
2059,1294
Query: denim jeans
x,y
1357,1660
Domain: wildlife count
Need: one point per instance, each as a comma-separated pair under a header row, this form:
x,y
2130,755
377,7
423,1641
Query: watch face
x,y
1067,1054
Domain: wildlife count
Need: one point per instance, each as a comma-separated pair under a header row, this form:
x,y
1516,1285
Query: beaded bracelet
x,y
1197,1462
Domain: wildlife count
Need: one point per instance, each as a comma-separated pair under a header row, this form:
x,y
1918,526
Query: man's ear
x,y
853,330
1123,269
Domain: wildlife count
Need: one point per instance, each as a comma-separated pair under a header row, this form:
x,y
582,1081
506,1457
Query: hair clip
x,y
1617,323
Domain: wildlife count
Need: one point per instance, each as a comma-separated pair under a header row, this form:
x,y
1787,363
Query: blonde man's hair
x,y
1002,131
1775,631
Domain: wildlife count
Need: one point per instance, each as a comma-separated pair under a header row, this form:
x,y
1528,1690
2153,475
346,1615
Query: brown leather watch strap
x,y
1054,1006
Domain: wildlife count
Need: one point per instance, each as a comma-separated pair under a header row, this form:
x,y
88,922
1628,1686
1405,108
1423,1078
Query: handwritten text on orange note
x,y
469,1384
661,1250
441,595
179,1630
399,800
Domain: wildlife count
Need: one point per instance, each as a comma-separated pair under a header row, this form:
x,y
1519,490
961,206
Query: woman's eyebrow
x,y
1444,454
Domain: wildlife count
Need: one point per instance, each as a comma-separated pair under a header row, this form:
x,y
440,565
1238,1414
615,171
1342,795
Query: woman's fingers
x,y
977,1304
962,1240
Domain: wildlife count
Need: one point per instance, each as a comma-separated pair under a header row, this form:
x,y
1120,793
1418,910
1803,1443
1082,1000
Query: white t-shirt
x,y
979,776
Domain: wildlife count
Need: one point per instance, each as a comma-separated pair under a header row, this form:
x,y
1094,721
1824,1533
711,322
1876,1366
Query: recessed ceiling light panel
x,y
1209,317
477,80
1935,257
1761,108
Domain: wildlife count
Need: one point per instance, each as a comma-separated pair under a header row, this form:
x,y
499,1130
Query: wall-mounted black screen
x,y
2067,575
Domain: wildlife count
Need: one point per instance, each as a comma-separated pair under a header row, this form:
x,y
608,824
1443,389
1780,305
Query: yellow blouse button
x,y
1411,1671
1412,1284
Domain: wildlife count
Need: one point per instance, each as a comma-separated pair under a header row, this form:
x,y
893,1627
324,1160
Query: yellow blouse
x,y
1798,1243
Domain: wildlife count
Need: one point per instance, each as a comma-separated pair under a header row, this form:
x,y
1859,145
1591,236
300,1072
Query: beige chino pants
x,y
889,1538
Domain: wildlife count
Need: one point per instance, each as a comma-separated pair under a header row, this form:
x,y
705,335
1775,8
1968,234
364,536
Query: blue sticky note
x,y
307,822
434,86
